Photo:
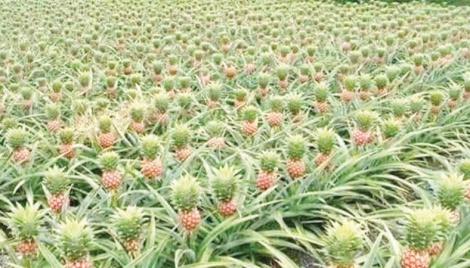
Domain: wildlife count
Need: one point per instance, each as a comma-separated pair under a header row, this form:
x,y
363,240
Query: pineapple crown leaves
x,y
150,145
416,104
398,106
66,135
450,190
418,59
350,82
137,112
365,82
421,229
436,97
105,123
56,180
74,238
214,91
25,222
214,128
181,135
325,140
277,104
305,69
264,79
249,113
128,223
366,119
391,127
464,168
17,137
56,86
161,102
343,242
186,193
52,111
444,222
269,161
296,147
241,94
184,99
225,183
381,80
392,72
282,71
321,91
26,93
455,91
109,160
295,103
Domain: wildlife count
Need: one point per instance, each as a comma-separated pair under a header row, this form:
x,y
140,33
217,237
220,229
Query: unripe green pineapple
x,y
325,140
25,222
399,107
282,72
436,98
225,183
128,225
74,240
350,82
381,81
137,112
366,119
455,91
263,80
9,123
186,193
109,161
214,128
104,124
181,135
321,91
464,168
250,113
269,161
295,103
450,191
214,91
150,146
296,147
16,138
343,243
56,180
421,229
161,102
390,127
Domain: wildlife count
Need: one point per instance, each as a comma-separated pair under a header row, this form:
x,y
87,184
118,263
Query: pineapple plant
x,y
150,166
17,139
436,98
250,123
418,60
305,71
128,225
365,86
186,197
390,128
282,73
53,116
66,149
85,82
214,93
275,115
25,223
111,86
343,242
455,92
173,65
215,130
111,177
225,184
381,82
267,175
295,103
263,84
241,95
296,148
56,94
161,104
399,108
74,240
27,98
181,137
326,140
348,92
57,183
450,193
137,114
362,133
157,69
106,136
321,92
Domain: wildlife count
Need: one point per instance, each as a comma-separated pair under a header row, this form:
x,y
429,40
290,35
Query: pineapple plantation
x,y
237,134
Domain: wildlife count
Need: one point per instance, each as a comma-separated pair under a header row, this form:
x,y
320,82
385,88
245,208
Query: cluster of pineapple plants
x,y
234,134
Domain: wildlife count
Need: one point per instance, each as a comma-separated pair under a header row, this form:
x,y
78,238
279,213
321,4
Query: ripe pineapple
x,y
215,130
53,117
225,186
451,193
322,92
161,104
74,240
436,98
106,137
57,183
66,143
325,141
348,92
267,176
343,243
421,231
25,223
111,177
362,133
250,122
137,114
186,197
181,138
128,226
455,92
17,139
296,148
151,167
275,116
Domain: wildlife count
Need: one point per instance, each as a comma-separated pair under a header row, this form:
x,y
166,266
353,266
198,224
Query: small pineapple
x,y
250,123
275,116
322,92
451,193
436,98
381,81
161,104
455,92
186,197
111,177
57,184
66,149
365,85
25,223
399,108
215,130
225,186
282,73
128,225
151,166
53,117
17,138
74,240
137,115
464,168
305,71
348,92
362,134
391,127
296,148
267,176
295,103
263,82
325,141
56,94
106,137
343,243
181,137
27,95
445,225
241,95
416,107
214,93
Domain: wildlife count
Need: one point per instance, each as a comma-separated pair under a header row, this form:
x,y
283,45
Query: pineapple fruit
x,y
343,243
137,115
455,92
275,115
57,184
296,148
451,193
106,137
186,197
362,133
181,138
53,117
250,122
128,225
161,104
225,184
111,177
436,98
322,92
325,139
17,139
214,93
74,240
215,130
66,149
267,175
151,166
348,92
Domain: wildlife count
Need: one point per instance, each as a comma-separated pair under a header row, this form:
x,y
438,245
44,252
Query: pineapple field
x,y
238,134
